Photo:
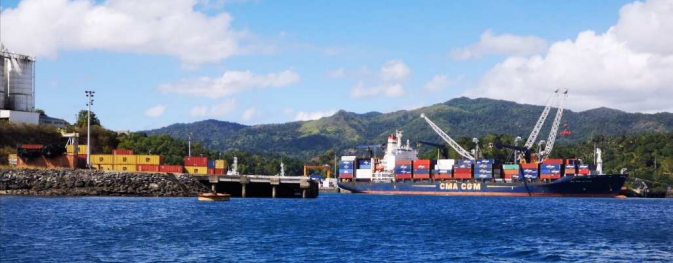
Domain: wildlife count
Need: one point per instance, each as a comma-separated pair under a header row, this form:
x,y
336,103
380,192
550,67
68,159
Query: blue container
x,y
211,163
364,164
442,171
483,173
485,161
403,169
529,173
464,162
584,166
421,171
463,166
346,165
483,166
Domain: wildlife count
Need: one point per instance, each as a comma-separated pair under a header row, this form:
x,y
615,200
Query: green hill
x,y
460,117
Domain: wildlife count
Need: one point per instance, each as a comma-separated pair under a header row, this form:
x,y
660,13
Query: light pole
x,y
89,96
189,145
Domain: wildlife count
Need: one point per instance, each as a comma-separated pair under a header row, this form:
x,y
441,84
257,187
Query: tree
x,y
40,111
82,117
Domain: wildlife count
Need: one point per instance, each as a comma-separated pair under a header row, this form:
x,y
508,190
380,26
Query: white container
x,y
445,164
363,174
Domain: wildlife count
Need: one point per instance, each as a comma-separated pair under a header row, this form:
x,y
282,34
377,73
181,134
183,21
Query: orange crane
x,y
325,167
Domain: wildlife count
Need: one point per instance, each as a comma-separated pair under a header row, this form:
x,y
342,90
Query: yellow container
x,y
125,167
196,169
81,149
103,167
148,159
125,159
102,159
220,164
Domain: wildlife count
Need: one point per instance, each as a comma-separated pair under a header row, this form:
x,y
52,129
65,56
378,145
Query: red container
x,y
443,176
550,176
553,161
211,170
528,165
421,176
147,168
345,176
122,152
31,146
571,161
462,173
583,171
170,168
196,161
218,171
403,177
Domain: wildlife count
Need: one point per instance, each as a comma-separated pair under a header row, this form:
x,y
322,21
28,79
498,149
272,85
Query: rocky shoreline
x,y
69,182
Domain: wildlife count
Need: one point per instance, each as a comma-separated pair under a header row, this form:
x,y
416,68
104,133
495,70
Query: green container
x,y
510,167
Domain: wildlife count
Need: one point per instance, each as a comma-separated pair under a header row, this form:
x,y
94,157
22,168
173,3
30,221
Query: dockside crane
x,y
540,121
448,139
554,128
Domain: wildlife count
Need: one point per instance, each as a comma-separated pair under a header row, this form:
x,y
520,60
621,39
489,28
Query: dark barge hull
x,y
568,186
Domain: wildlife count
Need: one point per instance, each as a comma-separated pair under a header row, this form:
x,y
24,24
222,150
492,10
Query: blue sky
x,y
297,60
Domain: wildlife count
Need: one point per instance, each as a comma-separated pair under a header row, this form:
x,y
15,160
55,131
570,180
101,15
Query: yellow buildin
x,y
126,159
102,159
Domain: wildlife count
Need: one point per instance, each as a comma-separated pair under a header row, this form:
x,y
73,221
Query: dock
x,y
273,186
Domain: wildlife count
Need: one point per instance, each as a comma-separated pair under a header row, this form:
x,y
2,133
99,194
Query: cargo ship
x,y
400,172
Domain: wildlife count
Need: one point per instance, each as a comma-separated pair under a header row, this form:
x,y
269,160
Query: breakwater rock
x,y
68,182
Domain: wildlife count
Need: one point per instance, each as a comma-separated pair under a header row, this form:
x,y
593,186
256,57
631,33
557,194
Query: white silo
x,y
20,79
3,83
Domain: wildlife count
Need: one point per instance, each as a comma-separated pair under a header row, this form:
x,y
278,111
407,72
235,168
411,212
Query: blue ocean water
x,y
335,228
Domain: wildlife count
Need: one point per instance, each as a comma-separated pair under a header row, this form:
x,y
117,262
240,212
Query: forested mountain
x,y
460,117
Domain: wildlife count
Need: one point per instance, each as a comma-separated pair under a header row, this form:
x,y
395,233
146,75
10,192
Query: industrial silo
x,y
20,80
3,83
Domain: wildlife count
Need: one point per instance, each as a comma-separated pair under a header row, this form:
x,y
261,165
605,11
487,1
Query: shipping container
x,y
364,174
220,164
529,170
150,159
464,162
570,169
196,169
365,164
348,158
484,161
510,167
572,161
443,173
421,169
170,168
346,174
125,167
553,161
125,159
462,173
550,176
102,159
211,163
218,171
403,170
583,169
122,152
211,170
71,149
550,168
445,164
31,146
104,167
148,168
196,161
483,173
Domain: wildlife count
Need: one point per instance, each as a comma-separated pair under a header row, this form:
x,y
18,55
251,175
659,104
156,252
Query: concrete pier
x,y
262,185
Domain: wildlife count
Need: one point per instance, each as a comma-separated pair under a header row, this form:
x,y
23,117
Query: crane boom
x,y
448,139
554,128
540,122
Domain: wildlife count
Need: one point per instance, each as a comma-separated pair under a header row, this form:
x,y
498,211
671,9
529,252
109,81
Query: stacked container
x,y
511,171
346,170
403,170
444,169
102,161
583,169
220,164
364,169
422,169
570,167
483,169
70,149
529,170
122,152
125,162
196,165
170,168
149,163
463,169
551,169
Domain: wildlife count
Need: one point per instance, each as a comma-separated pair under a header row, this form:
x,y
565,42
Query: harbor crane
x,y
448,139
554,128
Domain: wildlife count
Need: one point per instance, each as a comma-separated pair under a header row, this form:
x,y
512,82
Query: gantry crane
x,y
448,139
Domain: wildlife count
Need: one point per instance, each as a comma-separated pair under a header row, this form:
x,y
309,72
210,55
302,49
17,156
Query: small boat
x,y
214,197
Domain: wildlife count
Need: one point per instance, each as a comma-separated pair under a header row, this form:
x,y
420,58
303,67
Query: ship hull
x,y
578,186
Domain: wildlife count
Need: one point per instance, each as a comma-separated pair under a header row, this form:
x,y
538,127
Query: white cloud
x,y
249,113
336,73
391,77
437,83
288,111
230,83
167,27
217,110
394,70
359,90
504,44
615,69
156,111
307,116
